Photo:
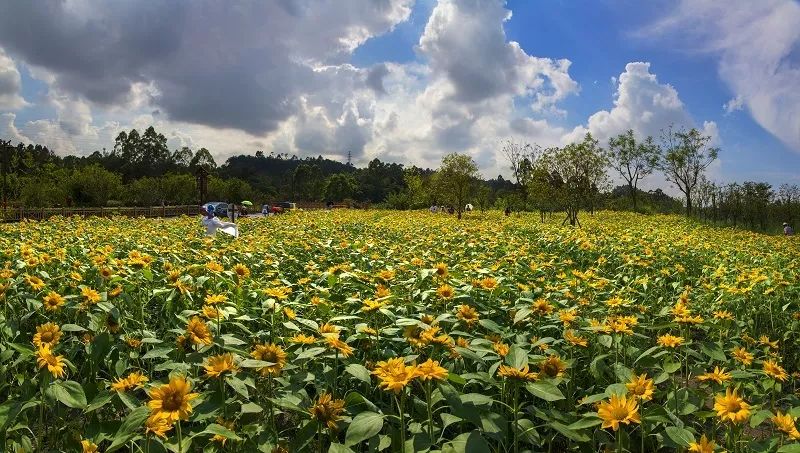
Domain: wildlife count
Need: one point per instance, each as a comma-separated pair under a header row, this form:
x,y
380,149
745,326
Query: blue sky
x,y
600,37
419,79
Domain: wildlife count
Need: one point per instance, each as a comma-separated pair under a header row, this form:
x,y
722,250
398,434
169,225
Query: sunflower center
x,y
619,412
733,406
172,402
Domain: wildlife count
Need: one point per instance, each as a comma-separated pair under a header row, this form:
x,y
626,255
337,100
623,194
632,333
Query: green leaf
x,y
251,408
456,379
158,353
24,350
759,417
616,389
680,436
253,363
230,340
238,385
671,367
359,371
714,351
488,324
70,393
72,328
569,433
586,422
477,399
99,401
545,391
605,340
646,353
471,442
791,448
220,430
516,357
309,353
449,419
132,423
364,425
521,314
338,448
131,402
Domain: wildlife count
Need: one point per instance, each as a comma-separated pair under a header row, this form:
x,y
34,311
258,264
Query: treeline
x,y
577,176
141,170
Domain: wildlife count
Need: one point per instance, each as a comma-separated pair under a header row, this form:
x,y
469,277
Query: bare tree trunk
x,y
688,205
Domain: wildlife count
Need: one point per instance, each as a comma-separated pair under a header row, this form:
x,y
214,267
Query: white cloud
x,y
734,104
10,84
641,103
758,46
291,88
647,106
9,131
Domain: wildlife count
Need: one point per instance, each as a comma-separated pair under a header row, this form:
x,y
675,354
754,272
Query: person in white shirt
x,y
213,224
787,230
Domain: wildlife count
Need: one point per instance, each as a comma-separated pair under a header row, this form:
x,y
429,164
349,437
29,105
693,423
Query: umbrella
x,y
247,203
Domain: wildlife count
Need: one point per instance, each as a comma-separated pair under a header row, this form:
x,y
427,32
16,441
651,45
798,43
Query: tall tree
x,y
340,187
202,158
633,159
308,182
516,153
457,179
686,157
578,169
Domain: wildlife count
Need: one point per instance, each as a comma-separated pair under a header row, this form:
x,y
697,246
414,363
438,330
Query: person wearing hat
x,y
787,230
213,224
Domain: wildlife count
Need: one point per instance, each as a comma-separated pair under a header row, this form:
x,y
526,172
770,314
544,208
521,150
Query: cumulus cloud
x,y
758,47
241,66
643,104
278,75
465,43
9,131
10,84
734,104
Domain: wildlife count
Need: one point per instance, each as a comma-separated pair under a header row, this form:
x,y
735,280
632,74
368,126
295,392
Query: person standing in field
x,y
213,224
787,230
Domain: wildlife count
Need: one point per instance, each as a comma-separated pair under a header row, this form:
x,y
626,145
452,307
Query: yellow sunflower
x,y
731,407
172,401
269,353
197,332
327,411
217,365
619,409
47,334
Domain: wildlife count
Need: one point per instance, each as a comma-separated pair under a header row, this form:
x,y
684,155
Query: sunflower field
x,y
356,331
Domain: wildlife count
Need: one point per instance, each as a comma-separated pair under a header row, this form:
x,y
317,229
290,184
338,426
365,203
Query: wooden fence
x,y
15,214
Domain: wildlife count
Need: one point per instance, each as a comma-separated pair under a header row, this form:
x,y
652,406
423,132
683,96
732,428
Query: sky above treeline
x,y
403,80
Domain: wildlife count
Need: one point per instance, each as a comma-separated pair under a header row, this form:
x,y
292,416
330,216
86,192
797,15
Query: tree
x,y
542,189
94,186
686,157
340,186
308,182
633,159
202,158
182,158
516,154
456,180
578,171
179,189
